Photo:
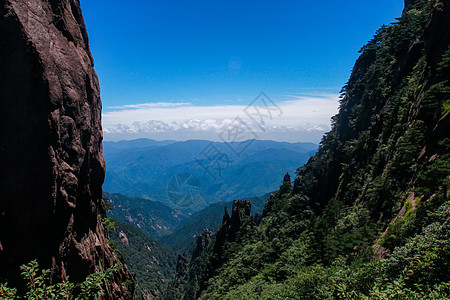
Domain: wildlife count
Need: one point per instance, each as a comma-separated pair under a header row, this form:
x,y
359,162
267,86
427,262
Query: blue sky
x,y
203,62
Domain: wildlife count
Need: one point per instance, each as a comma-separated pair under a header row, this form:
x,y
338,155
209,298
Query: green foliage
x,y
6,292
424,259
184,237
152,262
420,269
286,185
108,224
38,286
154,218
367,217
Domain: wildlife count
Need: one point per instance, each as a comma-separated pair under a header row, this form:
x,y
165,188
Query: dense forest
x,y
368,216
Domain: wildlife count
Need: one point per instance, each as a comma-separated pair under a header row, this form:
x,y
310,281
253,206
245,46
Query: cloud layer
x,y
303,118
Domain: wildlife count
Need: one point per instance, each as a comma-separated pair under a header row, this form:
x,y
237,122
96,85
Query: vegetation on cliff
x,y
368,215
39,285
152,263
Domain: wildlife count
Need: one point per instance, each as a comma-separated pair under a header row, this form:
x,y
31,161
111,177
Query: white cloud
x,y
302,118
149,105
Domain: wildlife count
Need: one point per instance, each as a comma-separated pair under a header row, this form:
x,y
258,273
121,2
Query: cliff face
x,y
52,166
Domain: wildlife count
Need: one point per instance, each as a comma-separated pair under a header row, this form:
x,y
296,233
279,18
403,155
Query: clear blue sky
x,y
211,52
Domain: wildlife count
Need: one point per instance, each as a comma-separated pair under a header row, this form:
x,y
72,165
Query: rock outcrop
x,y
52,166
203,241
231,225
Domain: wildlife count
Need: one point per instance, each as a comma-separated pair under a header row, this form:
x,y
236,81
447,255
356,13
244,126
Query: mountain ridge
x,y
147,172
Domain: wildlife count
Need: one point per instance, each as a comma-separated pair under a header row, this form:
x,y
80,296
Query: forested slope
x,y
368,215
152,262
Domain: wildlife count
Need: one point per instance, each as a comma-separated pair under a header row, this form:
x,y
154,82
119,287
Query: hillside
x,y
153,263
169,225
184,237
146,168
367,215
154,218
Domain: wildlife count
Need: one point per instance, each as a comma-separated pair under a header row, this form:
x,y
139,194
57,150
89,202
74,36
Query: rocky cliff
x,y
52,166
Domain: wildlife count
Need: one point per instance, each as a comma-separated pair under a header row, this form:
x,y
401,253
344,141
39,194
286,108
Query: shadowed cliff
x,y
52,166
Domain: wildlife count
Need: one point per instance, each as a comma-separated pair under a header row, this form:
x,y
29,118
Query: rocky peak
x,y
182,263
240,209
231,225
268,205
203,240
227,233
226,217
51,144
286,185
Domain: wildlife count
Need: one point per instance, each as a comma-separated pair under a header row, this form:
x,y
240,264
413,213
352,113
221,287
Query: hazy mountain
x,y
112,148
148,169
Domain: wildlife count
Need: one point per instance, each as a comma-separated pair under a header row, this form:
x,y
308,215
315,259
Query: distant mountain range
x,y
192,174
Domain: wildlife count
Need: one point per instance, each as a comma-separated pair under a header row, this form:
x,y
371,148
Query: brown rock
x,y
123,237
52,166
